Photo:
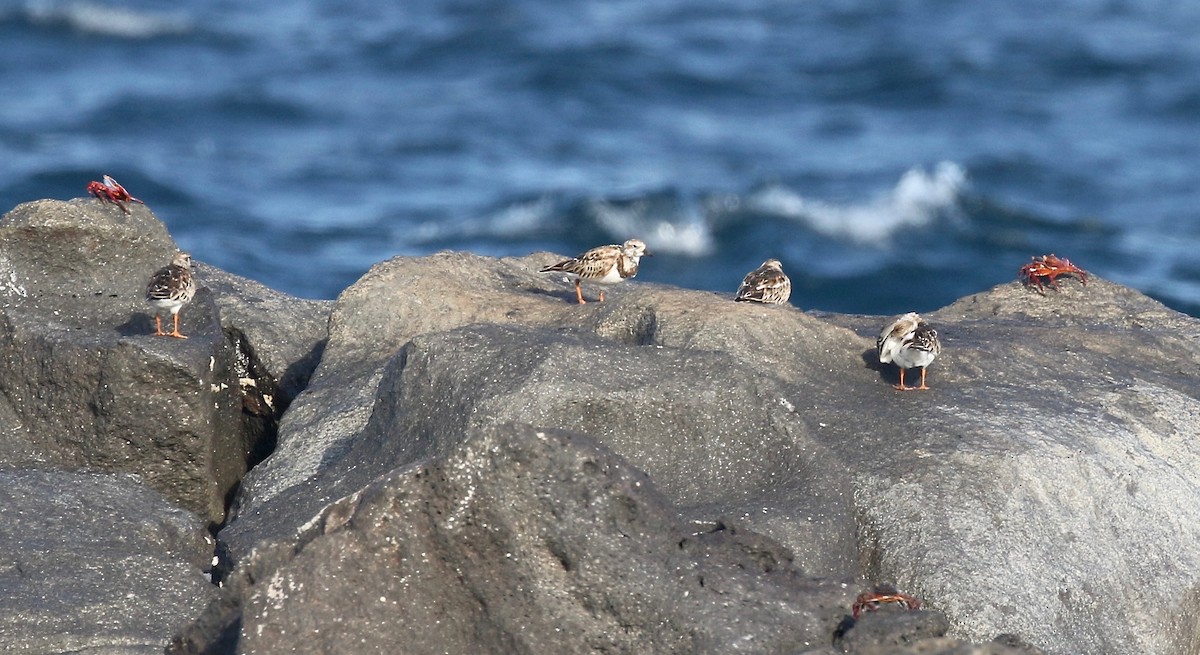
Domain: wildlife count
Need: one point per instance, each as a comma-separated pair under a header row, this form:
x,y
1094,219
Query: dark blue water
x,y
894,155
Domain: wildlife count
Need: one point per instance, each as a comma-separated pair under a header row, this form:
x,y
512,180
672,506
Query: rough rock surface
x,y
80,371
1057,445
100,563
277,341
524,541
284,334
96,564
530,542
1044,487
1035,490
704,341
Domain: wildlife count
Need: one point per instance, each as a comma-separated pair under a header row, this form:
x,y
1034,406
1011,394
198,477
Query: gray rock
x,y
1039,483
891,629
282,334
96,564
277,341
407,297
395,301
85,380
528,542
1029,492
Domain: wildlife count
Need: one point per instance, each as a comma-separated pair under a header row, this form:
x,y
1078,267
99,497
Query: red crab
x,y
1046,268
883,594
110,191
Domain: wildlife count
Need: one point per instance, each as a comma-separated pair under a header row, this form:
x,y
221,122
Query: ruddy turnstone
x,y
603,265
766,284
909,342
170,288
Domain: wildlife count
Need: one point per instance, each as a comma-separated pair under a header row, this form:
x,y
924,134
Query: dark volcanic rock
x,y
520,541
96,564
710,413
277,341
1045,486
83,375
1040,483
1035,490
284,334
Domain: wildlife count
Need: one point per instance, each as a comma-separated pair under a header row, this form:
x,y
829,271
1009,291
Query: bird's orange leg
x,y
602,295
922,379
176,333
579,293
158,326
901,386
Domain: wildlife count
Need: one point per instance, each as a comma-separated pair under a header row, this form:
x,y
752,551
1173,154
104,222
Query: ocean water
x,y
895,156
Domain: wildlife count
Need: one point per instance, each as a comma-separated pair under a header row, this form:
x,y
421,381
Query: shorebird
x,y
603,265
170,288
908,342
766,284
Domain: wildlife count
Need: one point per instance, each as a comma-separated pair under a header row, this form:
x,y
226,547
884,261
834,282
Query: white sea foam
x,y
107,20
917,199
684,233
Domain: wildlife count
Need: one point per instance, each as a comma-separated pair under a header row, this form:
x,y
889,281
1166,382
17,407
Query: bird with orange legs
x,y
170,288
908,342
602,265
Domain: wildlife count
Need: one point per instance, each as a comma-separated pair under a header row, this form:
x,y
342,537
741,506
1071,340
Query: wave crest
x,y
663,221
107,20
917,199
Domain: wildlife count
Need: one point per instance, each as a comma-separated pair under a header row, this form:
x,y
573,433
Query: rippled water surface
x,y
895,156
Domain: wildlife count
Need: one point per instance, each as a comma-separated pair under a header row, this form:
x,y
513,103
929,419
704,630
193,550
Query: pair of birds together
x,y
908,341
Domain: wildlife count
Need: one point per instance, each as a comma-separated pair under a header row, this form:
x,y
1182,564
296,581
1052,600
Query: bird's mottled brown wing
x,y
766,285
926,338
171,283
591,264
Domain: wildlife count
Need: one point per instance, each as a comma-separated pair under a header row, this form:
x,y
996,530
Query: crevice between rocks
x,y
264,400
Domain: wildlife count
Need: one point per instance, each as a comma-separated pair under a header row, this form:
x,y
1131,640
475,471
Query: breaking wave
x,y
919,198
106,20
665,222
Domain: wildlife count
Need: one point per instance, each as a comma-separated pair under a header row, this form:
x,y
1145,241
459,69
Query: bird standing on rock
x,y
908,342
766,284
170,288
602,265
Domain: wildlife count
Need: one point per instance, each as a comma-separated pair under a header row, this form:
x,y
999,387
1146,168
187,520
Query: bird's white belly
x,y
912,358
167,303
611,277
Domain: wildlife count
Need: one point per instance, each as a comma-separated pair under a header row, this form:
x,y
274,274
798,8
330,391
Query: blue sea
x,y
894,155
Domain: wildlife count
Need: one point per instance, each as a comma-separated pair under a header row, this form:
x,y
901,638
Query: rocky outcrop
x,y
96,564
525,541
80,371
666,471
694,376
786,423
85,386
101,563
